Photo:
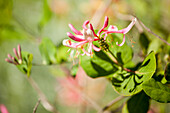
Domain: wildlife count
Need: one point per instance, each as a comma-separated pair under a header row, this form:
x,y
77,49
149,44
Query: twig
x,y
43,98
111,103
138,25
100,12
152,32
36,106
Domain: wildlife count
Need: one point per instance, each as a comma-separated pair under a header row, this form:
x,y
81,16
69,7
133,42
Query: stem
x,y
113,57
36,106
111,103
45,102
116,62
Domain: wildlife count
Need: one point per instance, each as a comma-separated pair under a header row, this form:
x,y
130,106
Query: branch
x,y
111,103
152,32
138,25
44,101
36,106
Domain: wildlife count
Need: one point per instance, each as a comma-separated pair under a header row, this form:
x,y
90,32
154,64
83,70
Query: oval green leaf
x,y
99,65
157,90
138,103
130,83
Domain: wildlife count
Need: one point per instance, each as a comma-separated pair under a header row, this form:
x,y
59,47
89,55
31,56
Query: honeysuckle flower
x,y
84,38
15,60
3,109
114,29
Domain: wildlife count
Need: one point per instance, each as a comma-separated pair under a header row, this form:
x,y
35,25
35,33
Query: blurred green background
x,y
26,22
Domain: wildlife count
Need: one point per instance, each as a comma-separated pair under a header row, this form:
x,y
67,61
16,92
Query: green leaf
x,y
138,103
144,42
46,14
154,45
48,51
99,65
26,65
130,83
167,72
157,90
123,53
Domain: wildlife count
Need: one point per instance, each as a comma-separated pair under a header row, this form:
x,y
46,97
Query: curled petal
x,y
96,48
74,37
105,36
75,30
127,29
68,43
105,25
95,39
122,41
91,27
85,23
106,21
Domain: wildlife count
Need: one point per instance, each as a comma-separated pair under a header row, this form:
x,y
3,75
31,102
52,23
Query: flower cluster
x,y
15,60
83,40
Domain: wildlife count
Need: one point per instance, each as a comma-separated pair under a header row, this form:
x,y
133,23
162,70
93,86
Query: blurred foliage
x,y
28,21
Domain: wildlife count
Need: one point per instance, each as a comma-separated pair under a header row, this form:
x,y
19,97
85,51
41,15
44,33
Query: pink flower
x,y
3,109
84,38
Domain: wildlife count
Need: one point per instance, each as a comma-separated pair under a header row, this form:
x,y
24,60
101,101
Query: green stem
x,y
116,62
113,57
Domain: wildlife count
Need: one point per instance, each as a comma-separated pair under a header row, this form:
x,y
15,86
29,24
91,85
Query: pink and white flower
x,y
84,38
